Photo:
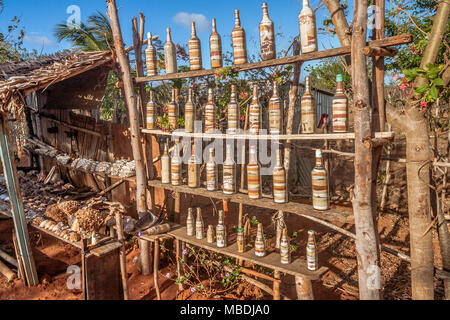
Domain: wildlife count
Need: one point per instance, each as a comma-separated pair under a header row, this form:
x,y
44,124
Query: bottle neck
x,y
174,96
169,35
255,94
275,88
190,94
319,161
252,156
211,155
278,158
229,156
305,3
210,96
221,217
214,27
149,39
151,96
340,87
265,10
307,85
193,31
237,18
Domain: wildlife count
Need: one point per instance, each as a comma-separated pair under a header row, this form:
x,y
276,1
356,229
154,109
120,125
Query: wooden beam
x,y
20,224
379,52
65,124
383,43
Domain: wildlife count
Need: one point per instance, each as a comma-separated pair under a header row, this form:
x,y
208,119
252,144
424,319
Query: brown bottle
x,y
199,226
176,166
195,50
210,113
308,110
311,252
173,111
260,244
193,170
319,177
279,181
253,175
150,57
239,41
150,111
254,115
267,36
340,107
190,223
308,32
215,47
189,113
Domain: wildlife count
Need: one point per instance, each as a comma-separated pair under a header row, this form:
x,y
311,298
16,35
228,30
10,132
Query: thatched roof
x,y
22,78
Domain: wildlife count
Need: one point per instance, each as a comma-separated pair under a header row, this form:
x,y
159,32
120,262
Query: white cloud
x,y
39,40
185,19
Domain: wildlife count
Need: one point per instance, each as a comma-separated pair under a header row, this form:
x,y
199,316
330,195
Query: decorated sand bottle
x,y
211,172
239,41
150,112
199,227
340,107
195,50
254,115
215,47
173,111
320,184
253,175
275,115
285,251
210,234
221,231
308,110
176,166
190,223
150,57
279,181
189,113
260,244
170,54
210,113
267,36
240,235
311,252
308,31
233,112
165,166
193,170
229,173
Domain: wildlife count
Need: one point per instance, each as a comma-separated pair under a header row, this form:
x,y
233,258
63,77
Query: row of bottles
x,y
171,173
308,37
218,235
308,111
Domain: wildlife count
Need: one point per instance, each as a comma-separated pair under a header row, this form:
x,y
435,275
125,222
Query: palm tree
x,y
95,35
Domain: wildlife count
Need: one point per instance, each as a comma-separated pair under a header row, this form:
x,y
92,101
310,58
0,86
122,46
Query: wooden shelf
x,y
271,260
129,179
383,43
292,207
293,137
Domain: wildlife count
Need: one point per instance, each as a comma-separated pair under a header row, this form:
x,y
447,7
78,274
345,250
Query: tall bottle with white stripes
x,y
285,250
189,113
190,223
267,36
279,181
229,173
320,184
150,112
165,165
199,226
260,243
308,31
253,175
210,113
275,112
195,50
221,231
254,115
176,166
308,110
193,170
311,252
233,112
211,172
215,47
170,54
174,111
239,41
340,107
150,57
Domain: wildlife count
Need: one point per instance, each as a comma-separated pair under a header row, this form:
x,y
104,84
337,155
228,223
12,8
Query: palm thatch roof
x,y
19,79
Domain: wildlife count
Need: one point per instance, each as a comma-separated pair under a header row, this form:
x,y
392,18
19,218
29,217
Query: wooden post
x,y
19,261
133,115
20,224
123,257
156,268
276,285
178,256
366,231
304,288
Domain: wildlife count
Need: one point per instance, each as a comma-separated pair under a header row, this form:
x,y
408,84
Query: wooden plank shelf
x,y
129,179
271,260
331,215
382,43
293,137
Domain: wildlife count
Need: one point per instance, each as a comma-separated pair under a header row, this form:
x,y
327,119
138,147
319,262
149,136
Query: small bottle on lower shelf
x,y
199,226
285,251
165,165
311,252
221,231
319,176
260,244
210,234
190,223
211,172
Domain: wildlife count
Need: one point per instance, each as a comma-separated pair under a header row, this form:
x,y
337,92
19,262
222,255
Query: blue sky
x,y
40,17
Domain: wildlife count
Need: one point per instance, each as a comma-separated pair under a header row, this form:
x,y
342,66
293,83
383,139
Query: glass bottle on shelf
x,y
199,226
229,173
210,234
308,31
170,54
190,223
195,50
340,107
267,36
240,236
150,57
189,113
279,181
173,111
150,112
319,177
211,172
311,252
176,166
215,47
165,165
275,112
260,243
221,231
233,112
285,250
308,110
239,41
254,114
193,170
210,113
253,175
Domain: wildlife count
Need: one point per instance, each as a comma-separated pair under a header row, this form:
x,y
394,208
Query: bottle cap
x,y
318,155
339,78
